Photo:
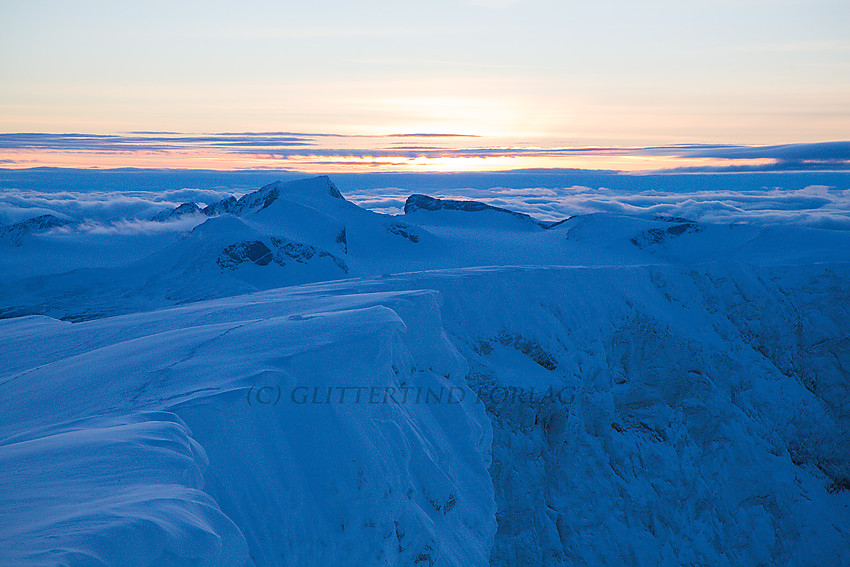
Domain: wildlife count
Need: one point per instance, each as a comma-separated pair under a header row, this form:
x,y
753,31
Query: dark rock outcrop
x,y
220,208
418,202
42,223
177,212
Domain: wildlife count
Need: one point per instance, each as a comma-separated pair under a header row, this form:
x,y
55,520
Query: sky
x,y
447,85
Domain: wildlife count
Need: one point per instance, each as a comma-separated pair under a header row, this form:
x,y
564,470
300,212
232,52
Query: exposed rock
x,y
418,202
656,236
42,223
235,254
220,208
177,212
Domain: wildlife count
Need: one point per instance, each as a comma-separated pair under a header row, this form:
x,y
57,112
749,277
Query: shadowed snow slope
x,y
671,420
159,439
607,391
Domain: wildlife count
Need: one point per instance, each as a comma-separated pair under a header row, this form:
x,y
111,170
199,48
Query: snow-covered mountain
x,y
177,212
305,231
296,380
15,233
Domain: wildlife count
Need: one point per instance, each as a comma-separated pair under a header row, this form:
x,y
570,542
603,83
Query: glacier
x,y
266,386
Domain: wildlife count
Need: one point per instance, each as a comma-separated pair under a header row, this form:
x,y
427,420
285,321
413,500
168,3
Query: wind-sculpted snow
x,y
650,416
113,429
125,490
448,390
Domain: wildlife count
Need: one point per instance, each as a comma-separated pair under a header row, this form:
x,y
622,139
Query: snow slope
x,y
620,391
134,416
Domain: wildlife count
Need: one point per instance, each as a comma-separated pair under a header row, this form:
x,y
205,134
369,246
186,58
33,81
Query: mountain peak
x,y
40,223
320,185
221,207
310,190
417,202
178,211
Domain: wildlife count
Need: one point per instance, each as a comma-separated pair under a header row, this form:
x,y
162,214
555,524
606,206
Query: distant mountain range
x,y
303,231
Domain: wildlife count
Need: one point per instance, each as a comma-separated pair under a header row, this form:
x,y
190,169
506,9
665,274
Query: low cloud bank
x,y
712,199
100,207
815,206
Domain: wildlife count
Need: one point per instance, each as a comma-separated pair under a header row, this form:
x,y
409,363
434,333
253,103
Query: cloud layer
x,y
299,150
813,206
813,199
100,208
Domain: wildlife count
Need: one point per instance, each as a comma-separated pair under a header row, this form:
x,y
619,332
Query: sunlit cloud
x,y
397,151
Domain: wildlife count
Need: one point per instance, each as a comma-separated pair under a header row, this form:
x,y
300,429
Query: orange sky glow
x,y
307,163
492,85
